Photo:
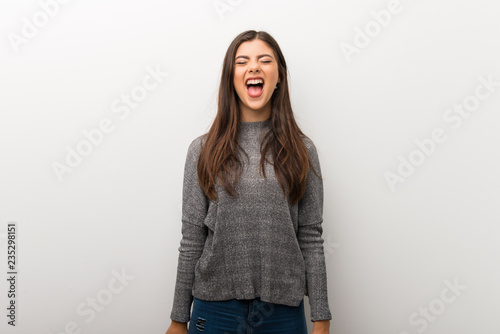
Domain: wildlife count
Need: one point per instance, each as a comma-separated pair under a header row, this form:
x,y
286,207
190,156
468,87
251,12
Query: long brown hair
x,y
219,156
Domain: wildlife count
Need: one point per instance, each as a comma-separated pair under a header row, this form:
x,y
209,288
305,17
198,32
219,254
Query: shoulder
x,y
195,145
312,153
310,146
308,142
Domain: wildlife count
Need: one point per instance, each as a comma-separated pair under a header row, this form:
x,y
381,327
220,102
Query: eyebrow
x,y
259,56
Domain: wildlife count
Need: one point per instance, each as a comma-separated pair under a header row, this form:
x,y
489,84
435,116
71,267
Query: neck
x,y
251,115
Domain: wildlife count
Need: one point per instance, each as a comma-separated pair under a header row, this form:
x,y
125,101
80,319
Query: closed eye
x,y
242,62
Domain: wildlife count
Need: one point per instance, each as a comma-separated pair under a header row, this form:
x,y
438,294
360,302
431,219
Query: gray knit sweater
x,y
257,245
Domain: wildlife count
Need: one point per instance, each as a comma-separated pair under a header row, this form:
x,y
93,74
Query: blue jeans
x,y
246,317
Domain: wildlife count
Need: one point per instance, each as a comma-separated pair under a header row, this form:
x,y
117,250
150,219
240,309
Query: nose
x,y
253,67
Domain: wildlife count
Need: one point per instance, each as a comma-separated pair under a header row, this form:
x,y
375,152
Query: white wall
x,y
390,251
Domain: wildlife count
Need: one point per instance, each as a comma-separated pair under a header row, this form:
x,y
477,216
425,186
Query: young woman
x,y
252,208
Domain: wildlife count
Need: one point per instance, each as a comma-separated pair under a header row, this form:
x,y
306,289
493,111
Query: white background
x,y
389,251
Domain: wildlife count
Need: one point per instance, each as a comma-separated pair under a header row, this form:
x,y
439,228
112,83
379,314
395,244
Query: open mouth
x,y
255,87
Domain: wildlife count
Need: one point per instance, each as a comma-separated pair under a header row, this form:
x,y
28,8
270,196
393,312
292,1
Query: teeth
x,y
255,82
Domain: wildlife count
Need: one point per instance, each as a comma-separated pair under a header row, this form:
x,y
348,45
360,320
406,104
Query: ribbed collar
x,y
252,133
254,127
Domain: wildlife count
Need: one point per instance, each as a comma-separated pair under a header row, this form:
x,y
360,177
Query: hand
x,y
321,327
177,328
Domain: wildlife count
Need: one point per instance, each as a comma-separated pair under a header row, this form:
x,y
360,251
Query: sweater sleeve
x,y
309,236
194,233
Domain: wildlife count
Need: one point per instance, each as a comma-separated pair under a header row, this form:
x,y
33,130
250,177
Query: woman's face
x,y
255,76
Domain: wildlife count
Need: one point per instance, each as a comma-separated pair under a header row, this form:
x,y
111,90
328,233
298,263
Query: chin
x,y
257,105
